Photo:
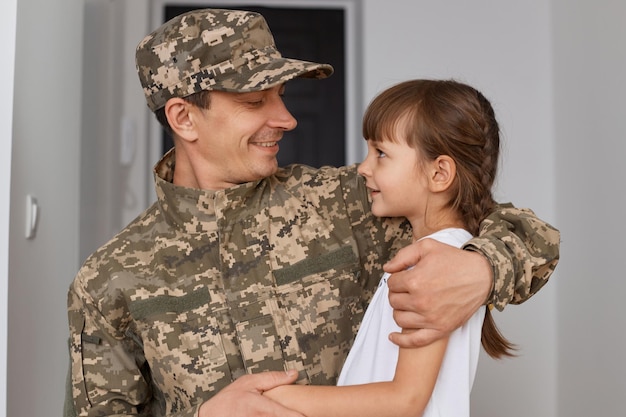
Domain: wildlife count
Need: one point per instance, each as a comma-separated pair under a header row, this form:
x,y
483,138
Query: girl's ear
x,y
181,116
443,173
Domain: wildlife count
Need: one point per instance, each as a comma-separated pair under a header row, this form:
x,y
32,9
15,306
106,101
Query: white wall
x,y
590,119
8,11
115,184
45,163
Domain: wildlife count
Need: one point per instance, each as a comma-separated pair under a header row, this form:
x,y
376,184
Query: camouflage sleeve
x,y
105,376
522,249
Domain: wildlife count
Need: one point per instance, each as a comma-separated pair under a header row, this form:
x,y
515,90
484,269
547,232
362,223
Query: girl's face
x,y
395,180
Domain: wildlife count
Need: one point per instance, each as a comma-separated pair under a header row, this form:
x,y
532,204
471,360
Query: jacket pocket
x,y
319,312
183,345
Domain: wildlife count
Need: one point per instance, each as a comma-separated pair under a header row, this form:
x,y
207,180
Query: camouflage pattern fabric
x,y
214,49
205,286
533,247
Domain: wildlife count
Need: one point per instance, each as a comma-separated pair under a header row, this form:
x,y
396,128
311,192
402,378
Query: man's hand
x,y
441,292
243,398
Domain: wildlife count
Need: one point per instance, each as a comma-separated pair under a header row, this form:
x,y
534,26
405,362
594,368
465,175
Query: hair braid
x,y
489,132
494,343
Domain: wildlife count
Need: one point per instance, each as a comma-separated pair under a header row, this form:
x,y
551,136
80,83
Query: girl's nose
x,y
364,167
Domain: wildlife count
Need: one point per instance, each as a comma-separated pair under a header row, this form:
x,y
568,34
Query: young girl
x,y
433,149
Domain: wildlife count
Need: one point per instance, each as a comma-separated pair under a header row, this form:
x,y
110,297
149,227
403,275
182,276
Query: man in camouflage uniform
x,y
241,267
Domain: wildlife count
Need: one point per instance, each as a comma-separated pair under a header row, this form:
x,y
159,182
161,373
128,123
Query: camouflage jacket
x,y
206,286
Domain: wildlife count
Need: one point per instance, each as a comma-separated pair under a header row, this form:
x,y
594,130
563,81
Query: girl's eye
x,y
381,154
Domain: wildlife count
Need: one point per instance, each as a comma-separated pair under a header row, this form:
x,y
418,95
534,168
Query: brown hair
x,y
446,117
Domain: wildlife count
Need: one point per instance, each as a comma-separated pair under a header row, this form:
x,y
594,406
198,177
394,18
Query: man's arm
x,y
105,377
523,251
511,259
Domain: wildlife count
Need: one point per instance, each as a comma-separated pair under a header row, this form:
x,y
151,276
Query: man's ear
x,y
180,115
442,174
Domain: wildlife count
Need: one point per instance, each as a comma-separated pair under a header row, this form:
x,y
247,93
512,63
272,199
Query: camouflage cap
x,y
214,49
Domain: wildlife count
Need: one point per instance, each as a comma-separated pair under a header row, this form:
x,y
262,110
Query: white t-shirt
x,y
373,357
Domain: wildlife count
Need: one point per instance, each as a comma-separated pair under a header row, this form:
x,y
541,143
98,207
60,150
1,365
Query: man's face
x,y
238,136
